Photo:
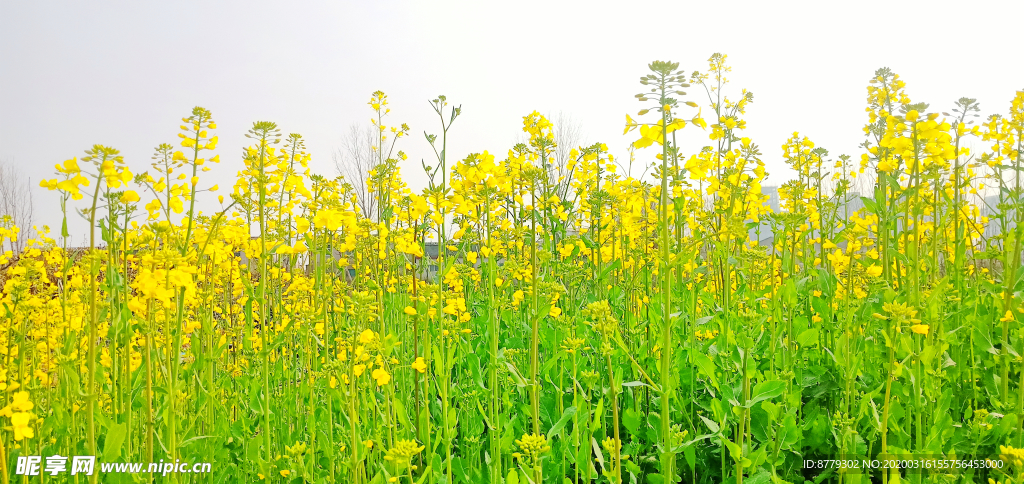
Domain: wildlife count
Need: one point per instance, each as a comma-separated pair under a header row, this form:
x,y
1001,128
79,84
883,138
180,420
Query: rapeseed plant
x,y
524,320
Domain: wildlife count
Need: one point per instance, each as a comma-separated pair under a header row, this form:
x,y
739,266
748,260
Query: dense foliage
x,y
520,320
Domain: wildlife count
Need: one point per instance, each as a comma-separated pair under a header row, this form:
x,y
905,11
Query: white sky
x,y
123,74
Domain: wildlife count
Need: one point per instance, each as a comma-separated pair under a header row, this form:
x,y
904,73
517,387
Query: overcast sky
x,y
73,74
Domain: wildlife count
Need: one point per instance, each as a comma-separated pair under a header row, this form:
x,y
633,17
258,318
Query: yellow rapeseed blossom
x,y
381,376
420,365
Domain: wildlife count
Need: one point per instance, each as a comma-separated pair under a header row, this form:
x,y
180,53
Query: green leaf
x,y
400,412
734,449
520,382
613,266
459,469
712,425
423,478
761,477
630,466
706,366
512,477
453,418
597,452
556,429
631,419
765,390
789,293
808,337
114,440
870,204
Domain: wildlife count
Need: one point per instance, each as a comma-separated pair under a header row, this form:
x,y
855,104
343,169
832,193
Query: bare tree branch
x,y
568,133
354,160
16,203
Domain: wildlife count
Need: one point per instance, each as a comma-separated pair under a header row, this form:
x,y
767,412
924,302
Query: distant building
x,y
989,208
763,234
764,228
